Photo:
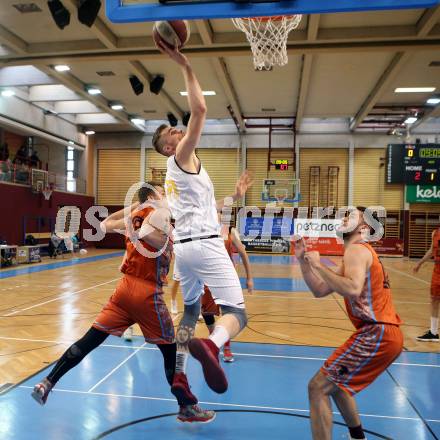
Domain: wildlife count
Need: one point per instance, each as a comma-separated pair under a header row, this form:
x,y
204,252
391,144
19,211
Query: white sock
x,y
219,336
181,360
434,325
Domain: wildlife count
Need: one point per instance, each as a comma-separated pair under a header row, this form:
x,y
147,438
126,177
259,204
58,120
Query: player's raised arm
x,y
357,260
245,181
116,222
197,105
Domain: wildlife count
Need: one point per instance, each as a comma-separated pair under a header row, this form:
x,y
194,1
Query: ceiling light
x,y
414,89
71,143
136,85
93,90
62,68
60,14
156,84
433,101
8,93
204,93
410,120
88,11
116,106
136,120
89,132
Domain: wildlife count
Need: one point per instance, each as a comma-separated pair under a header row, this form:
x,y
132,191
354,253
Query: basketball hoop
x,y
268,38
280,195
47,192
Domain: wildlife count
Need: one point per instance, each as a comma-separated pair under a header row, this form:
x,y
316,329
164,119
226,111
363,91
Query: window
x,y
71,168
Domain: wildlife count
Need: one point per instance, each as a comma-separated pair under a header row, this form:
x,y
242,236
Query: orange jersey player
x,y
434,251
138,298
377,341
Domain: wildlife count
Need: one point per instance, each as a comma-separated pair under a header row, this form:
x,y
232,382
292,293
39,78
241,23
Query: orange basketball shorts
x,y
209,307
435,284
137,301
364,356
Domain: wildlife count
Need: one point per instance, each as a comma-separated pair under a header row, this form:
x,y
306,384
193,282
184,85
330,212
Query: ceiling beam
x,y
228,51
222,73
12,41
306,69
78,87
426,22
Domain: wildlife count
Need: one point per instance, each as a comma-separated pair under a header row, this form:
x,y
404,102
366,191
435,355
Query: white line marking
x,y
114,369
407,275
62,296
233,405
271,356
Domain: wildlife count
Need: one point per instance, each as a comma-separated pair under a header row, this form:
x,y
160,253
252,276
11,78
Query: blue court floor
x,y
119,392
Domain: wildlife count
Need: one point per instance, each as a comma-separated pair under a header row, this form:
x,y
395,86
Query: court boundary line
x,y
271,356
116,368
392,269
60,296
234,405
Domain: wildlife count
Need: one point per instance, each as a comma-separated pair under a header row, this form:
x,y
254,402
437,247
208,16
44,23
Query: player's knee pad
x,y
240,314
74,352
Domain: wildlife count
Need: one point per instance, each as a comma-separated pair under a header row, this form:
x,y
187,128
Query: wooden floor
x,y
44,312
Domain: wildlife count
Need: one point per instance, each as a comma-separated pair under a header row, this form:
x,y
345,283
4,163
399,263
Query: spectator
x,y
22,174
34,160
21,157
4,152
6,170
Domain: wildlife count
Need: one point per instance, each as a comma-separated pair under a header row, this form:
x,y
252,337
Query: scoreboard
x,y
282,164
413,164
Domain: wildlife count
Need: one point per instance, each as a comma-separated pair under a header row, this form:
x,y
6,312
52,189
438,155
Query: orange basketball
x,y
174,33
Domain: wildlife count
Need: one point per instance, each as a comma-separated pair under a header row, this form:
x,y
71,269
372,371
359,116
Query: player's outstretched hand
x,y
245,181
313,258
174,54
416,268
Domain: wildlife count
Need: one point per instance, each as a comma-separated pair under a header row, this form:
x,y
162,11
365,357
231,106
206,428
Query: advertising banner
x,y
423,194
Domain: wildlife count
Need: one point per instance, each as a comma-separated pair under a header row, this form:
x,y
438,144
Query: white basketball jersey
x,y
191,200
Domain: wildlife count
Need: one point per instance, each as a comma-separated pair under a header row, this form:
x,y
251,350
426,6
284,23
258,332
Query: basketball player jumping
x,y
434,251
201,256
378,340
137,299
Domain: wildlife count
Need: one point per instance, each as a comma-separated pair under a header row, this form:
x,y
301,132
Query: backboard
x,y
129,11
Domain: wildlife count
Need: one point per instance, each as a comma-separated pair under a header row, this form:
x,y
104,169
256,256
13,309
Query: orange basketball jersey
x,y
374,305
436,251
153,270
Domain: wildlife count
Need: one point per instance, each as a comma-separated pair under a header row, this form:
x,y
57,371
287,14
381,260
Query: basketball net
x,y
268,38
280,195
47,192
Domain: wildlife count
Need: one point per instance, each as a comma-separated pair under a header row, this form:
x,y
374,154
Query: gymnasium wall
x,y
18,201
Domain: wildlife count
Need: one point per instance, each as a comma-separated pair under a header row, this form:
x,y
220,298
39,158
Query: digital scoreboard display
x,y
281,164
413,164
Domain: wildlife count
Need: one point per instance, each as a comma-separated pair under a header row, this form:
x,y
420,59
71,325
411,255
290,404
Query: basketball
x,y
174,33
83,251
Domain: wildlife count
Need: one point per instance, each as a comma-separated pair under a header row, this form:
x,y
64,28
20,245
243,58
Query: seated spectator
x,y
34,160
22,174
6,168
21,156
4,152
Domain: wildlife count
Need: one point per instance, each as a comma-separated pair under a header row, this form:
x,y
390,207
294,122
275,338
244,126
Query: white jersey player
x,y
200,253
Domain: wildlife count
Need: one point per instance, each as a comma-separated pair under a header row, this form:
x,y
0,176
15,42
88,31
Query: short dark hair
x,y
145,192
156,138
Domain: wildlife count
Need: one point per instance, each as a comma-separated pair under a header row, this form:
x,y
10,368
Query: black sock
x,y
169,360
357,432
76,353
